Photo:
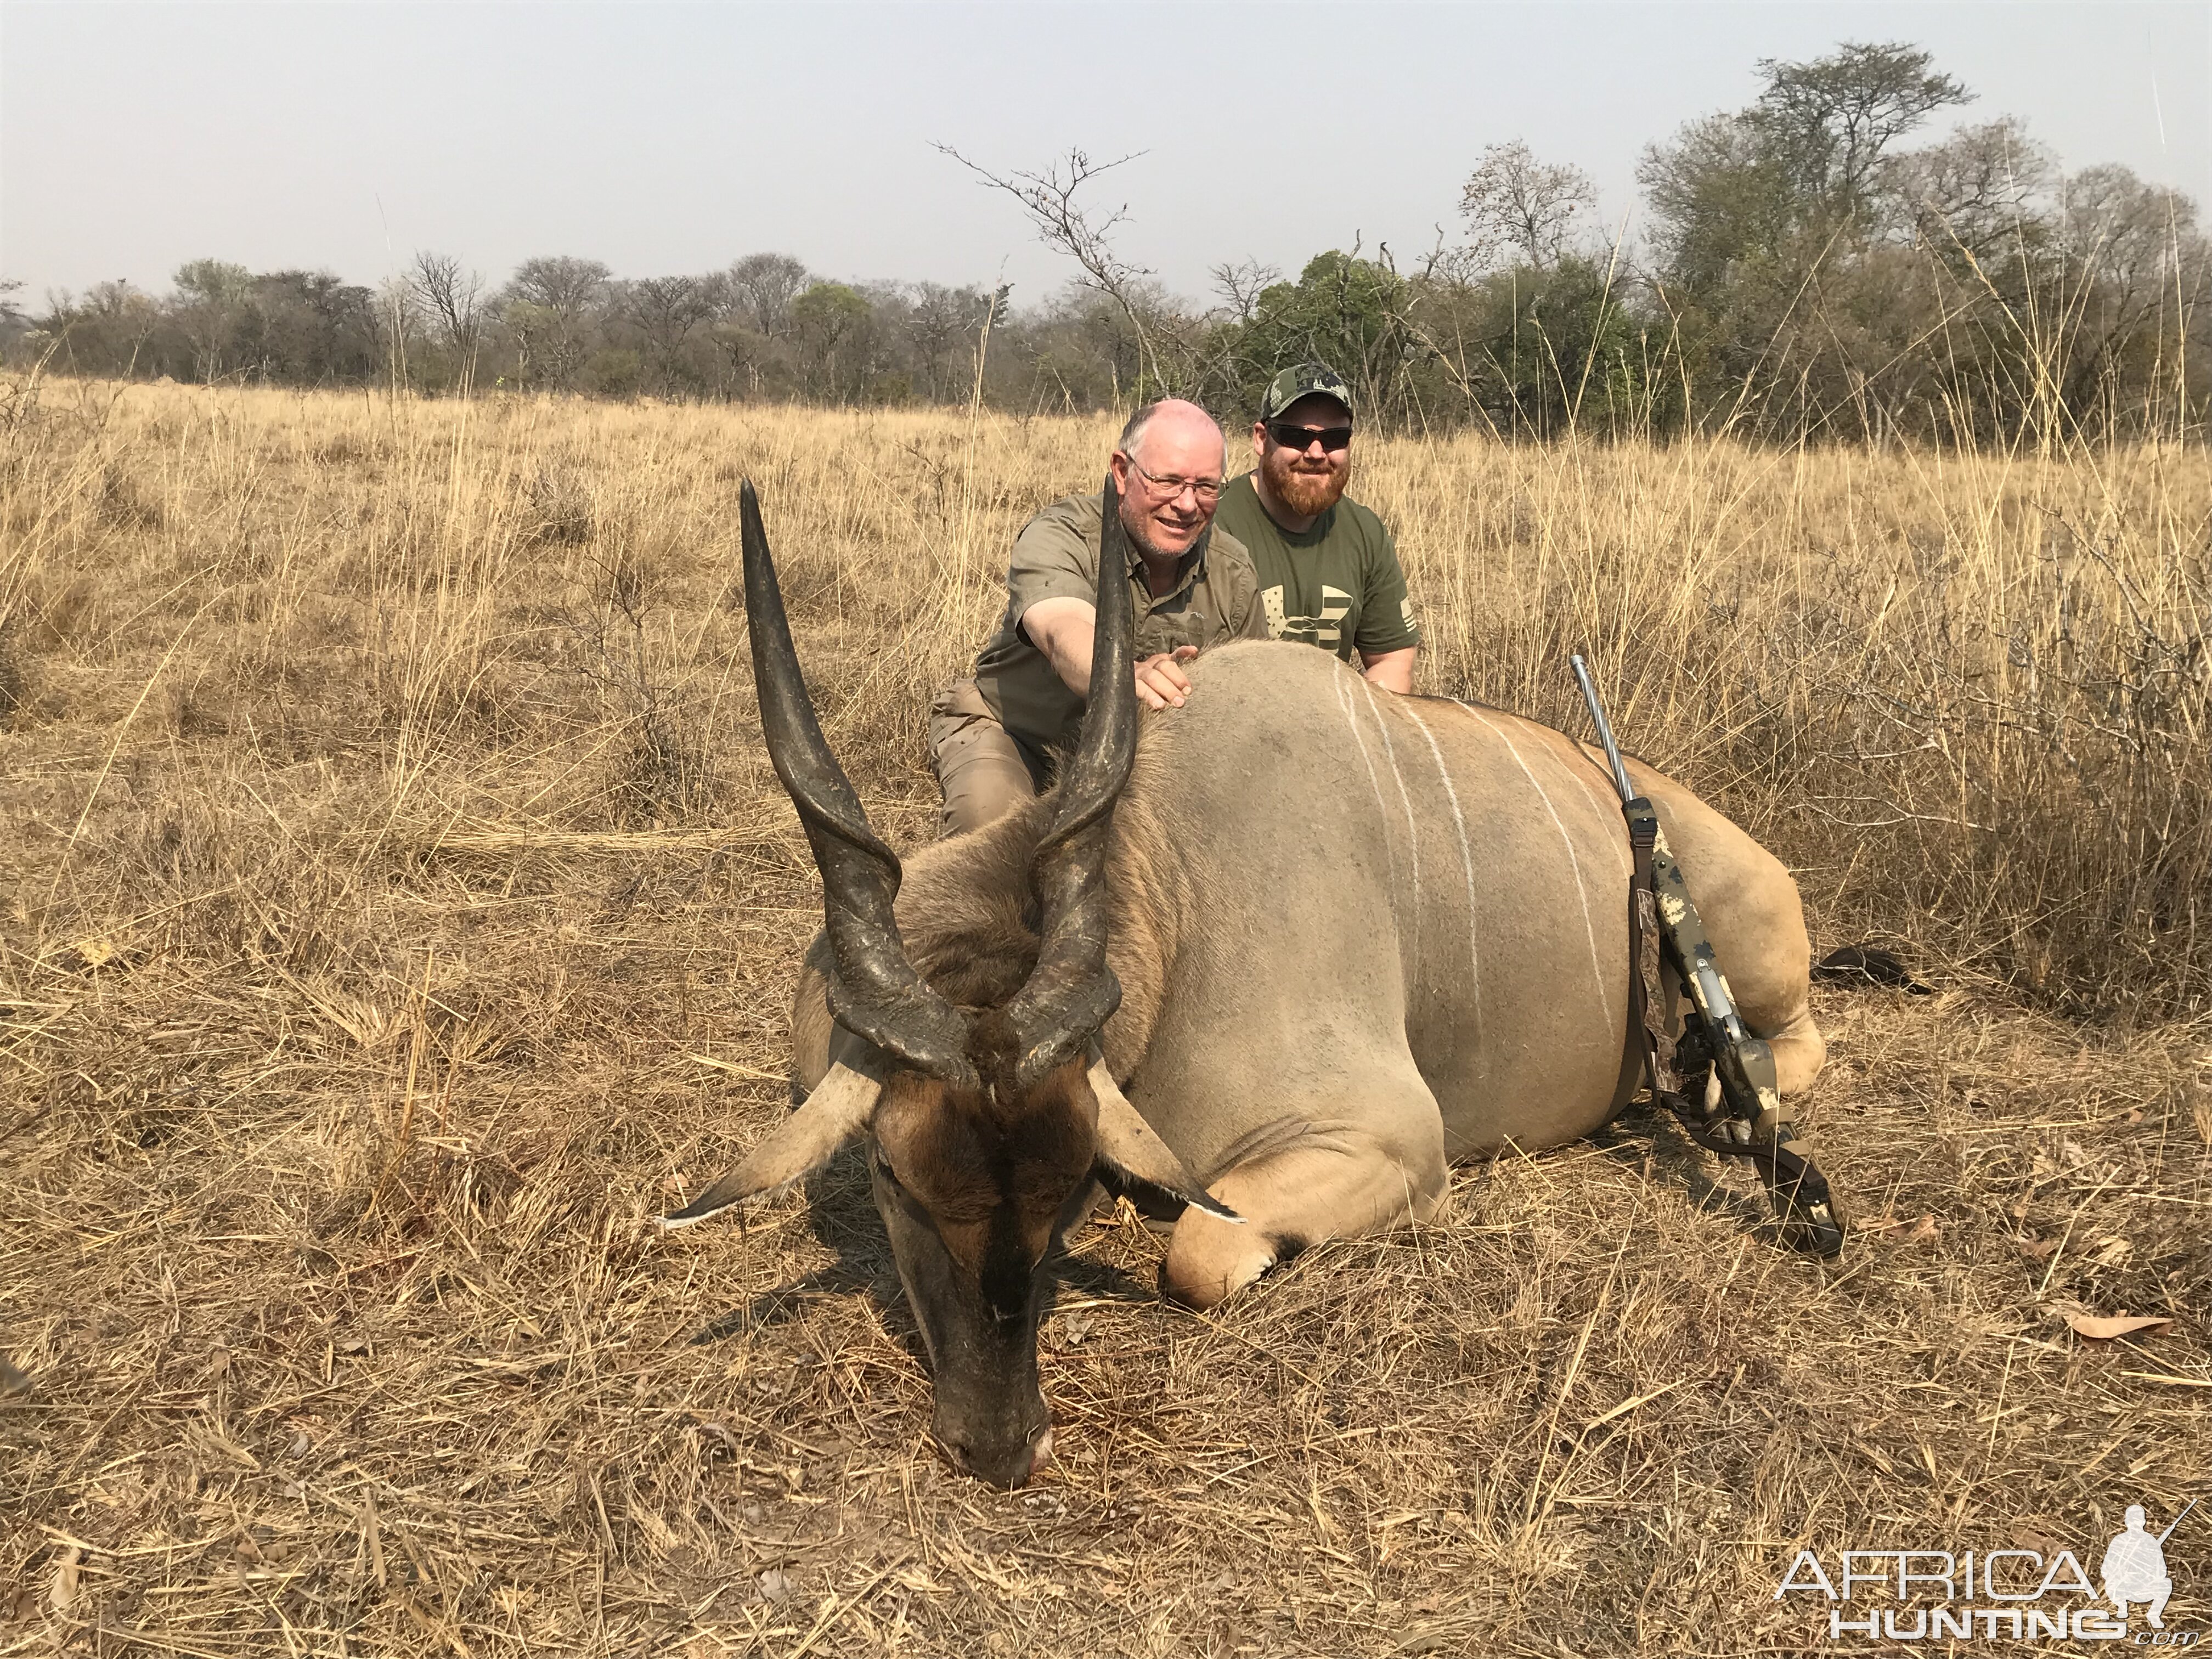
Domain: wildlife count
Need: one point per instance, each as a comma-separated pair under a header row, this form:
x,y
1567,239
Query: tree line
x,y
1803,272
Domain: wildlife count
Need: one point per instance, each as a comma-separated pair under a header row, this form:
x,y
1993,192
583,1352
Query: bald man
x,y
993,737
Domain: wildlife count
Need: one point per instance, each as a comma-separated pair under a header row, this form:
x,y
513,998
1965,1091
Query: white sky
x,y
664,138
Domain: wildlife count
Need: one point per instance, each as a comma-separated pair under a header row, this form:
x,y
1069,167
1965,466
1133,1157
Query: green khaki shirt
x,y
1337,585
1216,598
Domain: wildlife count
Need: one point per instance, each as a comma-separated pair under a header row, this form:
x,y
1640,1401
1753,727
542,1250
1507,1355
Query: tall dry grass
x,y
399,908
1966,694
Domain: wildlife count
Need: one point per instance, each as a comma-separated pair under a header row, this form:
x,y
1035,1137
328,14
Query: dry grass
x,y
400,910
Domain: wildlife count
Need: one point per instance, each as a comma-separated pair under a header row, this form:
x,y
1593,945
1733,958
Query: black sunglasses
x,y
1302,437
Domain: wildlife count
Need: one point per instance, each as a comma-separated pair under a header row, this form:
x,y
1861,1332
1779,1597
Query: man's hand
x,y
1161,683
1062,628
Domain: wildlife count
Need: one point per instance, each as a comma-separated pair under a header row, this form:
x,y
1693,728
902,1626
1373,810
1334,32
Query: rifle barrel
x,y
2176,1522
1604,730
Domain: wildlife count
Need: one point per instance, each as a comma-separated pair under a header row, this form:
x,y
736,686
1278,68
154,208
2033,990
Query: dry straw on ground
x,y
399,909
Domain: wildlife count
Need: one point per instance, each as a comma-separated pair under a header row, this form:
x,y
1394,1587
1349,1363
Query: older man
x,y
994,736
1328,570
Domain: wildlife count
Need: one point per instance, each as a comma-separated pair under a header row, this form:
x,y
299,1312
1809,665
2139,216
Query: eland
x,y
1268,968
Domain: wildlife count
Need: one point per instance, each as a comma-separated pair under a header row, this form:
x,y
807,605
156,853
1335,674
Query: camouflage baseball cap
x,y
1292,384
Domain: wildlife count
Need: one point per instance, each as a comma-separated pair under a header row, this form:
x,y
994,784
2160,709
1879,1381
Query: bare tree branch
x,y
1047,197
1513,201
1240,286
453,298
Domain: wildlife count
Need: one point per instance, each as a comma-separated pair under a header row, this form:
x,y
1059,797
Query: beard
x,y
1307,494
1144,537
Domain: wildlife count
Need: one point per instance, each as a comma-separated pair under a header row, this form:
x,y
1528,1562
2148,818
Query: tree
x,y
665,310
211,295
1239,285
1832,118
1775,184
1718,196
450,297
1048,196
1774,234
760,288
830,320
1346,311
1513,202
301,325
551,305
2134,269
104,333
939,319
14,322
1977,191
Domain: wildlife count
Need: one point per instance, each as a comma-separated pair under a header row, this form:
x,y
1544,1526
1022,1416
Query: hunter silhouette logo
x,y
2134,1568
2011,1594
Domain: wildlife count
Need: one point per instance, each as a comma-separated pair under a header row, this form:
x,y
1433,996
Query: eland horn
x,y
1073,993
876,994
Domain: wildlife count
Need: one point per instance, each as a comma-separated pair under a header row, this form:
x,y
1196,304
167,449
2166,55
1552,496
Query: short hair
x,y
1134,429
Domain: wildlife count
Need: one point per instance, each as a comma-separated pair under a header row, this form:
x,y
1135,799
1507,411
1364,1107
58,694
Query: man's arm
x,y
1063,629
1389,639
1391,670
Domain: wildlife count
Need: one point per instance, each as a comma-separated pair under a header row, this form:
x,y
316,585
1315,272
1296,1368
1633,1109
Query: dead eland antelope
x,y
1269,970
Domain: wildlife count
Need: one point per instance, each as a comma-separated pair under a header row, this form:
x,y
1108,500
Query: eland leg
x,y
1355,1165
1756,921
1800,1051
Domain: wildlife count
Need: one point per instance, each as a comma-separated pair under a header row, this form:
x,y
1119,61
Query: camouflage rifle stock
x,y
1744,1064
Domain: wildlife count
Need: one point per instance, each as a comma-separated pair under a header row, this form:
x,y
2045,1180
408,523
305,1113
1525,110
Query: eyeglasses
x,y
1206,489
1332,438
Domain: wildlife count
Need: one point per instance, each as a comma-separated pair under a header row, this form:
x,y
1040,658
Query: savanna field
x,y
398,911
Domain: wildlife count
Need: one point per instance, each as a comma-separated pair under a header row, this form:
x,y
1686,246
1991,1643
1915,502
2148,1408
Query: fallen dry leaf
x,y
2100,1329
65,1579
1899,1231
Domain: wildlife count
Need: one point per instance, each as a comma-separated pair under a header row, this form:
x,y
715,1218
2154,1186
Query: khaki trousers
x,y
981,771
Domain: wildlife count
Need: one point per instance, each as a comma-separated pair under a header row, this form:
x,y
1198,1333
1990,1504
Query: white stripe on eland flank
x,y
1374,782
1620,847
1465,859
1582,888
1405,799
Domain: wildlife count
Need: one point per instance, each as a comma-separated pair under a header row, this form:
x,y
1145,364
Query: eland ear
x,y
834,1116
1135,1164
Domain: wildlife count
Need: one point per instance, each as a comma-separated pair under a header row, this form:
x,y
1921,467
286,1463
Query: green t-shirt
x,y
1337,585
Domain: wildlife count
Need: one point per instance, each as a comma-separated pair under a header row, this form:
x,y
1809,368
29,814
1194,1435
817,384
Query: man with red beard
x,y
1328,570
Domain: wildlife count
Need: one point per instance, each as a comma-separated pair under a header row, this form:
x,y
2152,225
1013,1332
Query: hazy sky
x,y
665,138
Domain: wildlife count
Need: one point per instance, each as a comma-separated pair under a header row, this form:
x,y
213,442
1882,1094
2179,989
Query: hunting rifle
x,y
1748,1122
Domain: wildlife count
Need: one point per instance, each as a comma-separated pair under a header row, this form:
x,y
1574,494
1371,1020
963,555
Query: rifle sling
x,y
1647,997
